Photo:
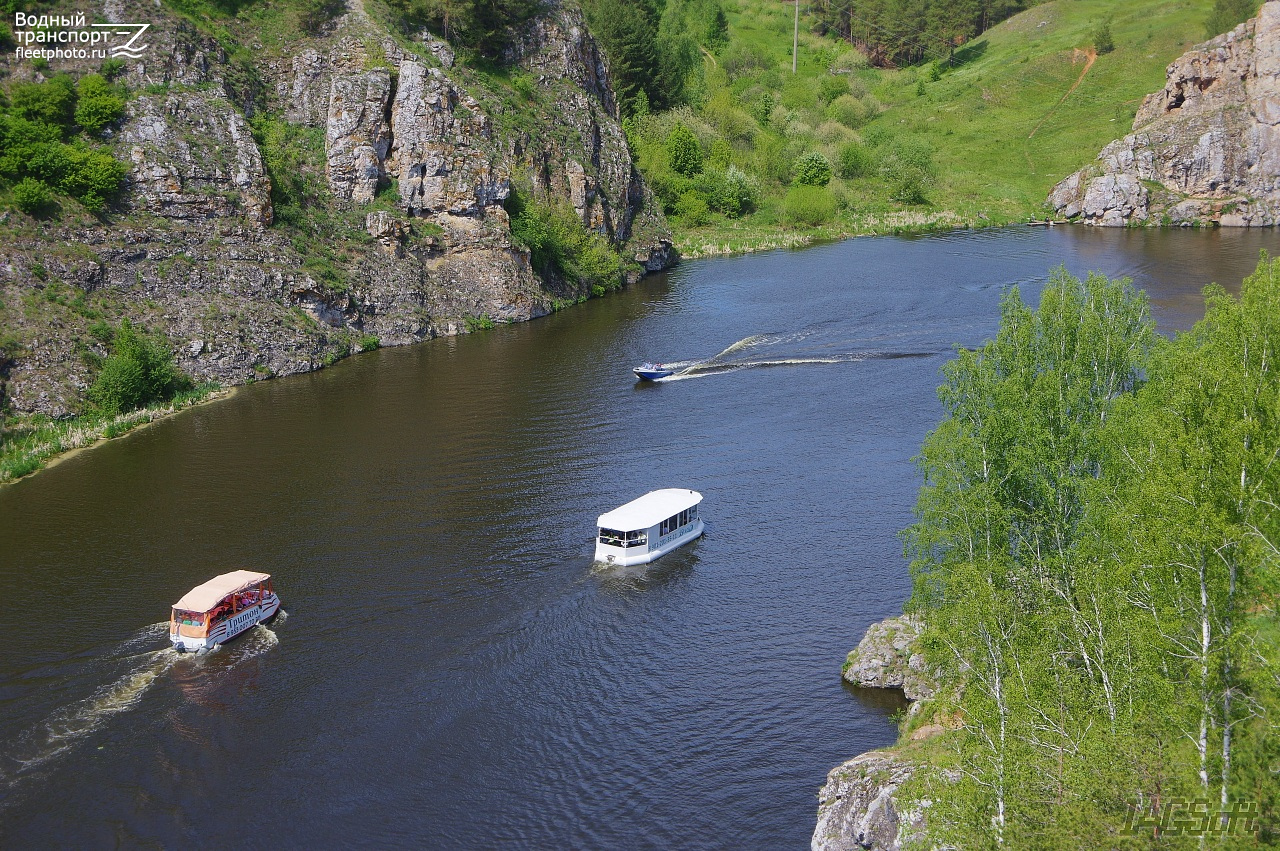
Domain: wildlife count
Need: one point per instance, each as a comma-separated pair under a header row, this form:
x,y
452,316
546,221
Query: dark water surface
x,y
451,672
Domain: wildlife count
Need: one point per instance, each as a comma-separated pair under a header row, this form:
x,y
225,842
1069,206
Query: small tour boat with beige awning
x,y
220,609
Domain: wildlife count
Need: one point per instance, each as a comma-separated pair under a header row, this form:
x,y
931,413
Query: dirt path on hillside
x,y
1089,56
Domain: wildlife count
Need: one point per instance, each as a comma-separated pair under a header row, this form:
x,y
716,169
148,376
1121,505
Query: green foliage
x,y
315,15
138,371
1095,560
907,165
1103,41
851,111
285,154
485,26
98,104
730,192
33,197
906,32
684,154
854,161
51,103
38,149
693,210
369,342
812,169
809,205
1226,14
558,243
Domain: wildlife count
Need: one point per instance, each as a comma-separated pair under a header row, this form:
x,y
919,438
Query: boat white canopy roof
x,y
204,597
649,510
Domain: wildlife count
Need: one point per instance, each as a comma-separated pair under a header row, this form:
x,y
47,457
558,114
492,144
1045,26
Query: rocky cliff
x,y
861,806
398,162
1204,150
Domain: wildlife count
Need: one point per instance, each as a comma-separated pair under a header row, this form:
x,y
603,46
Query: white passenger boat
x,y
649,527
221,609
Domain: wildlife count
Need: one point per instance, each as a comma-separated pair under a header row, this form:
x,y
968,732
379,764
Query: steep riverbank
x,y
295,196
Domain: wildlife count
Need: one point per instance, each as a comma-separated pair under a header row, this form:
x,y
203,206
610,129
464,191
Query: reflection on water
x,y
456,673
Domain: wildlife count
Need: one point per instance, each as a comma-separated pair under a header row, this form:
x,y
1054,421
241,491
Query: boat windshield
x,y
614,538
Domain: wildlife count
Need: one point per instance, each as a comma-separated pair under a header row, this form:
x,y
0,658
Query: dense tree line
x,y
905,32
1097,560
485,26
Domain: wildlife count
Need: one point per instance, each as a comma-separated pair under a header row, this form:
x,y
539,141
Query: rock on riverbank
x,y
1205,149
860,806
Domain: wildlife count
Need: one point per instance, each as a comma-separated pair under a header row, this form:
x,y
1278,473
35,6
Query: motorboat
x,y
652,371
648,527
220,609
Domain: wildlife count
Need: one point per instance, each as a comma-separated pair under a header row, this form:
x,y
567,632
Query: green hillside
x,y
974,138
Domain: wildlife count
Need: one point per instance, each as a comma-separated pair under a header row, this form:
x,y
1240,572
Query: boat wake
x,y
796,348
71,724
61,731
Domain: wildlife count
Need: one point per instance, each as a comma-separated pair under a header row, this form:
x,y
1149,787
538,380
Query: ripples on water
x,y
455,672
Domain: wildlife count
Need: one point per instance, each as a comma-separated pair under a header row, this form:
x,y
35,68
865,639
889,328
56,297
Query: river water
x,y
451,672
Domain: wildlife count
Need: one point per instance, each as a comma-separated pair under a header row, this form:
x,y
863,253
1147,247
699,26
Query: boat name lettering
x,y
244,619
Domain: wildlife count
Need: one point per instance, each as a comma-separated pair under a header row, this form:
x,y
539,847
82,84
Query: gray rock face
x,y
442,147
859,807
357,138
887,658
193,158
1204,149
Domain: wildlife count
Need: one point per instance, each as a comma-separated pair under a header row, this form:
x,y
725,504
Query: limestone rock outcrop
x,y
442,146
1204,150
194,157
887,657
859,806
357,137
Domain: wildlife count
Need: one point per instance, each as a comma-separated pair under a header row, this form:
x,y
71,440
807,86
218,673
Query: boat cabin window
x,y
676,521
188,618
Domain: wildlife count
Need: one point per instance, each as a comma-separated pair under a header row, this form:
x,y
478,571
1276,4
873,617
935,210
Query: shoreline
x,y
69,438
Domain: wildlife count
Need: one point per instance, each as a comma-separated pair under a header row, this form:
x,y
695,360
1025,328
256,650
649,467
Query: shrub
x,y
693,210
854,161
1226,15
33,197
89,176
831,87
137,372
98,105
812,169
683,151
745,58
849,111
558,242
1102,39
809,205
907,165
52,102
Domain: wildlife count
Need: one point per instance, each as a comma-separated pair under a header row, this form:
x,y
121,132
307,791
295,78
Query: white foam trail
x,y
68,725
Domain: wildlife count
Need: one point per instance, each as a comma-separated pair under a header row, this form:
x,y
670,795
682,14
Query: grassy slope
x,y
980,116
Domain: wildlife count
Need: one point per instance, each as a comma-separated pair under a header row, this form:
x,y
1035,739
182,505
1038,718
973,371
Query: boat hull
x,y
228,629
651,374
626,557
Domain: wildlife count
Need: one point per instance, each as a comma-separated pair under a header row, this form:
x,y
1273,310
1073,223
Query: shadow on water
x,y
883,701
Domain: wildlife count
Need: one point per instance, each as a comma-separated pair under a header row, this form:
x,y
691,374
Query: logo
x,y
71,37
1194,818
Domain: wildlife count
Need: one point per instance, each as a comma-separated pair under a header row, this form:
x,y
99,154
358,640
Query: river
x,y
451,671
